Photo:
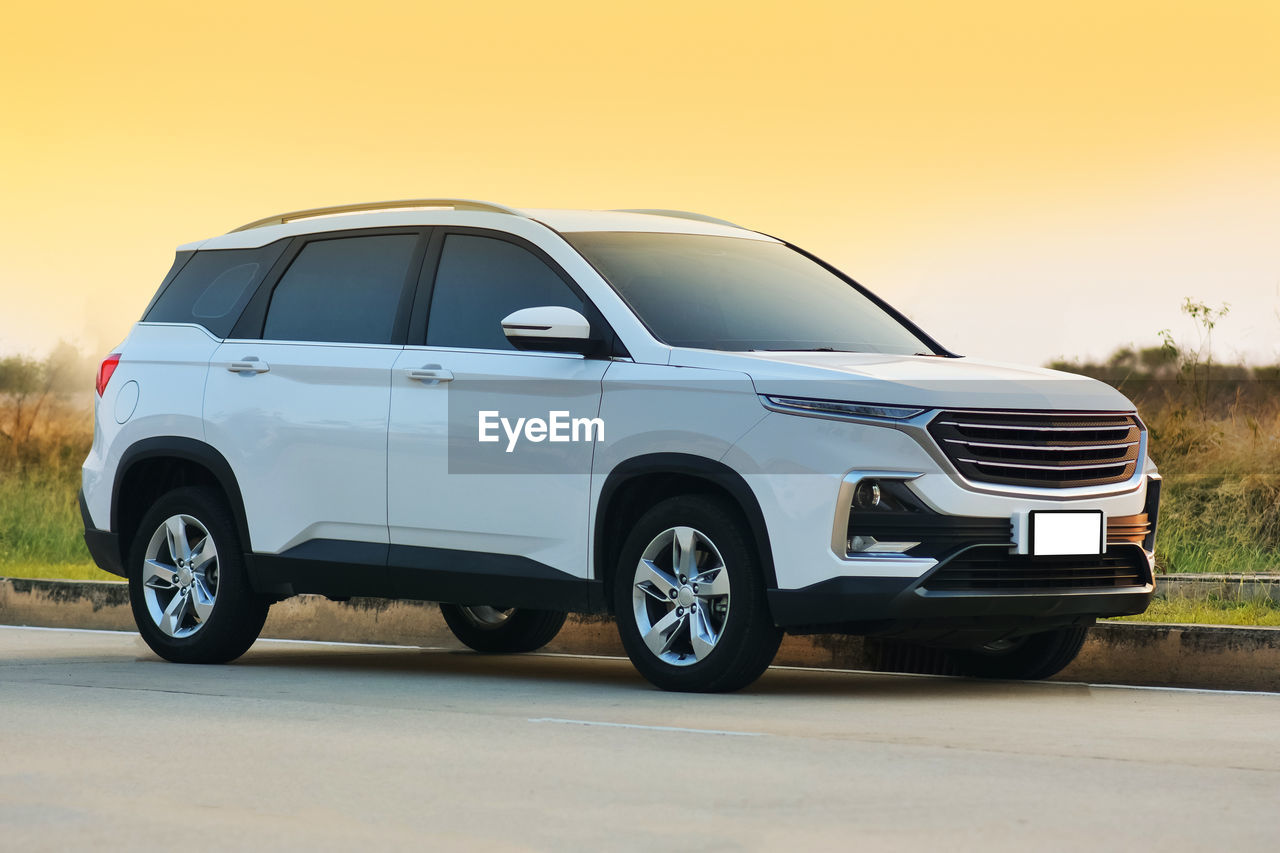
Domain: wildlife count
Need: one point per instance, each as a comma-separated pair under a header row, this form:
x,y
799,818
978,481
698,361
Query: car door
x,y
299,408
485,515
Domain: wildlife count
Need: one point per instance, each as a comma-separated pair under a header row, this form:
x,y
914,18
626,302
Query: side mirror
x,y
549,328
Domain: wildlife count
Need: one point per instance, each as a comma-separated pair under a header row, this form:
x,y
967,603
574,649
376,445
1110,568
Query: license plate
x,y
1054,533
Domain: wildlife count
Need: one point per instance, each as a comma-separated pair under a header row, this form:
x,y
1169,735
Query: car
x,y
701,429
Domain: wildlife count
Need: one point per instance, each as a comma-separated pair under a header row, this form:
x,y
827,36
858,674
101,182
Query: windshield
x,y
729,293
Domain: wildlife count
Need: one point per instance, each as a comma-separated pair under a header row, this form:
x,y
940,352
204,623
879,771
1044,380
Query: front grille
x,y
1048,450
995,570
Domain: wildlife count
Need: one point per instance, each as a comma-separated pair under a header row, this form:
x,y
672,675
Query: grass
x,y
57,571
40,458
1220,504
1212,611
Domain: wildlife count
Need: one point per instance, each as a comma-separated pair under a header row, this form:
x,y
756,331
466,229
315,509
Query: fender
x,y
700,467
191,450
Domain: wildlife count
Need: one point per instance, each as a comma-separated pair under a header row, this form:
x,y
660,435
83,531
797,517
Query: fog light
x,y
861,543
867,495
871,545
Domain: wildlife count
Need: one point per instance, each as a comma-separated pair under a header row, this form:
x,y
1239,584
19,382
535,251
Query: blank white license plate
x,y
1066,532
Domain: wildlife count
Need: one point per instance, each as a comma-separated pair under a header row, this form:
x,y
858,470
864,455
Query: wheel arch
x,y
639,482
154,466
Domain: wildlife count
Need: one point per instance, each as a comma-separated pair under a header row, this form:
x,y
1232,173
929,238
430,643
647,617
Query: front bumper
x,y
906,607
979,589
104,546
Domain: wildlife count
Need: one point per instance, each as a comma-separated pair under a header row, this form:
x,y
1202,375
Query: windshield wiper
x,y
803,349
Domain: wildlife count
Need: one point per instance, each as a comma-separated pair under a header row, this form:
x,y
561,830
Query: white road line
x,y
1173,689
353,645
649,728
1205,690
259,640
66,630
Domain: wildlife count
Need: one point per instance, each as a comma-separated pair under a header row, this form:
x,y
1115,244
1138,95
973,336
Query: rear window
x,y
213,287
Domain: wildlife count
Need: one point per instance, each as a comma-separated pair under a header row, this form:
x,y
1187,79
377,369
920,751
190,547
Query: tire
x,y
708,631
492,630
1029,659
202,609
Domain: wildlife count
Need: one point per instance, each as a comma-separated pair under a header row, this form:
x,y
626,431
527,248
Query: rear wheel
x,y
497,630
689,595
1027,658
190,597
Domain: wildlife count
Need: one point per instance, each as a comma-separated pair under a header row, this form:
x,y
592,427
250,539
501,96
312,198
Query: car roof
x,y
411,212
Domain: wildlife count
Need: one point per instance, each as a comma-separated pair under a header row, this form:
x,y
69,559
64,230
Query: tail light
x,y
105,370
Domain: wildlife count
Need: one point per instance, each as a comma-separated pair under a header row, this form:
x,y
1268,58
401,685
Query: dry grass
x,y
1220,507
39,478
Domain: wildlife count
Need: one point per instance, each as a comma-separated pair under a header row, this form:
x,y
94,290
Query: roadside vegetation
x,y
1215,433
46,427
1211,611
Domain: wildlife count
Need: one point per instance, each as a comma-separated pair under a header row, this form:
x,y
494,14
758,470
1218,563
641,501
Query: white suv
x,y
702,429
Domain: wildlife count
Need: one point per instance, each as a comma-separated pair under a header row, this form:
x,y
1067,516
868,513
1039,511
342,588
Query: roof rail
x,y
684,214
369,207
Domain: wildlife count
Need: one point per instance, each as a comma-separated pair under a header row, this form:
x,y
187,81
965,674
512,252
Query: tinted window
x,y
345,290
225,290
479,281
213,287
730,293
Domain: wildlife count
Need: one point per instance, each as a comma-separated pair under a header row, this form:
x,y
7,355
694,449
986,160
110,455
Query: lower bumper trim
x,y
886,605
104,546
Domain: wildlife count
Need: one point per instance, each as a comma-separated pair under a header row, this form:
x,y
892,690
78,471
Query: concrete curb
x,y
1198,587
1204,656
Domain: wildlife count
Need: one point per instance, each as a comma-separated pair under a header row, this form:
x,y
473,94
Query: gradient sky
x,y
1026,180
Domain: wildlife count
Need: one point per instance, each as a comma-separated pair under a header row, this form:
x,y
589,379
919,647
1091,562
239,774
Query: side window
x,y
213,287
344,290
479,281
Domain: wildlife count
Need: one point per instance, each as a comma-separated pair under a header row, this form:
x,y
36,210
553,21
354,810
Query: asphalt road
x,y
302,745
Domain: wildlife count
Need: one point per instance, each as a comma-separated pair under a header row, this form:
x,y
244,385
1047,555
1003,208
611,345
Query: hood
x,y
920,381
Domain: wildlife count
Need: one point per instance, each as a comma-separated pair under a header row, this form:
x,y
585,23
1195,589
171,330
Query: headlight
x,y
837,408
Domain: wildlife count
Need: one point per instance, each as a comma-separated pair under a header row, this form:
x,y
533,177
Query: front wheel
x,y
1027,658
187,585
497,630
689,595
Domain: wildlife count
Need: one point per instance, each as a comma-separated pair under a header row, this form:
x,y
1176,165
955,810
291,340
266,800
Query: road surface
x,y
318,747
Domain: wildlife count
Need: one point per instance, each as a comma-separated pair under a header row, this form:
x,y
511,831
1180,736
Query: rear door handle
x,y
249,364
429,374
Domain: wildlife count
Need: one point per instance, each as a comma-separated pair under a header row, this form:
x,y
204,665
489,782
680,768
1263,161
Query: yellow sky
x,y
1024,179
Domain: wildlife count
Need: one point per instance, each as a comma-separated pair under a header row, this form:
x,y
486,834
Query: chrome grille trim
x,y
1045,450
970,425
1048,448
1042,467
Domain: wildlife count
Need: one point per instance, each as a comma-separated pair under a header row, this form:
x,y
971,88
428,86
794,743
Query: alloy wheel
x,y
680,596
180,576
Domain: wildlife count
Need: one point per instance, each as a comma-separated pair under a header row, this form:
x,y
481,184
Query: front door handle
x,y
249,364
429,374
